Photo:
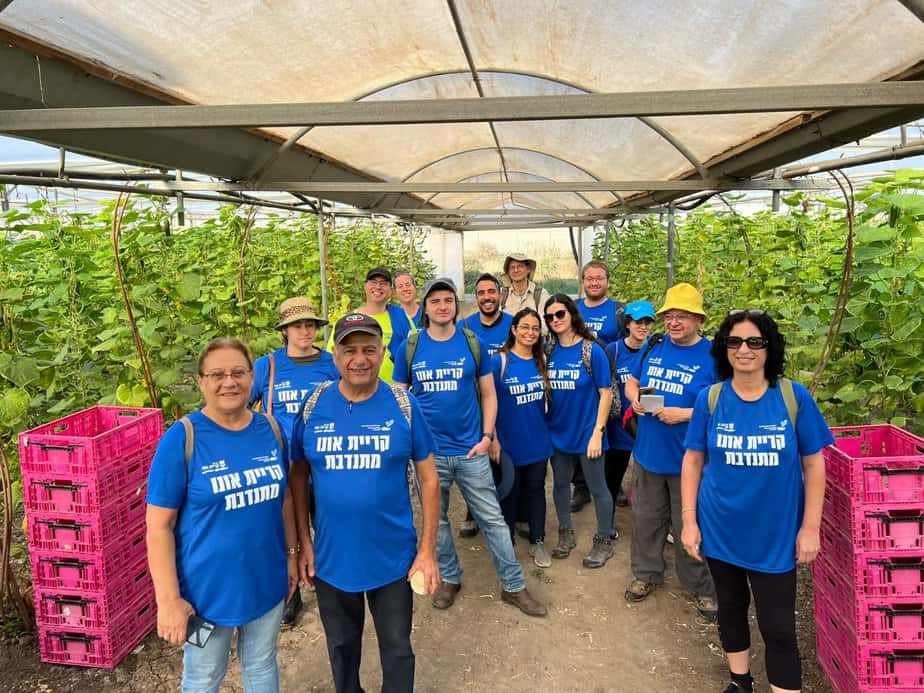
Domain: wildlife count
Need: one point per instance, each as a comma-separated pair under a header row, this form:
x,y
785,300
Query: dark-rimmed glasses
x,y
217,376
557,315
754,343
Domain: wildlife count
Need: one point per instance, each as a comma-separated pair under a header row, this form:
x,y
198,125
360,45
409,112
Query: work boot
x,y
445,595
540,554
601,552
565,543
707,607
292,608
638,590
579,498
622,500
525,602
468,529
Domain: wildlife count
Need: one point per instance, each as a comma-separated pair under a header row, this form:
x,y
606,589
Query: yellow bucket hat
x,y
683,296
297,308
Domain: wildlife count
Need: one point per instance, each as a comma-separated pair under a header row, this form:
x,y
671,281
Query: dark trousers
x,y
775,602
527,499
616,463
343,614
578,480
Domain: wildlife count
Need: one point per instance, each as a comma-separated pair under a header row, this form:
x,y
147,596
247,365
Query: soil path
x,y
592,640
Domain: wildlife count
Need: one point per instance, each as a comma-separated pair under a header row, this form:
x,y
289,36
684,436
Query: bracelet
x,y
688,510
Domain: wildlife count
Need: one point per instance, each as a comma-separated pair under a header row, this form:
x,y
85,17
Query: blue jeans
x,y
563,464
205,667
476,483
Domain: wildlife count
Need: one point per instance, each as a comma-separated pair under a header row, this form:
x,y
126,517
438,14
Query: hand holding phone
x,y
198,630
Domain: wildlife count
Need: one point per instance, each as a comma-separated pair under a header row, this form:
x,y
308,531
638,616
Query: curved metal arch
x,y
259,171
522,173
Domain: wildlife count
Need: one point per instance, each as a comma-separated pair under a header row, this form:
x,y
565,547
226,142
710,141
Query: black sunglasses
x,y
750,312
752,342
557,315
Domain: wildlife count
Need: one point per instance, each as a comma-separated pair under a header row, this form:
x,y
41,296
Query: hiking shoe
x,y
292,608
540,554
445,595
622,500
524,601
579,499
638,590
670,538
522,529
600,553
468,529
565,543
707,607
735,687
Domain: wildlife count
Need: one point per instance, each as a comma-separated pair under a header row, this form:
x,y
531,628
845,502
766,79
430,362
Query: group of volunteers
x,y
300,468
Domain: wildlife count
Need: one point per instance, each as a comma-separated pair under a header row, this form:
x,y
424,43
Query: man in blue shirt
x,y
356,435
448,378
492,326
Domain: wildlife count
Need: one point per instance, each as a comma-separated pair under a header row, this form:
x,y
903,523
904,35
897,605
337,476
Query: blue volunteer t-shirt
x,y
575,397
443,379
626,359
521,426
495,336
230,538
752,494
292,383
364,527
417,316
603,320
678,373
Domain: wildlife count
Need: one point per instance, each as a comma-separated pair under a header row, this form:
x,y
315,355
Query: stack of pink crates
x,y
84,481
869,576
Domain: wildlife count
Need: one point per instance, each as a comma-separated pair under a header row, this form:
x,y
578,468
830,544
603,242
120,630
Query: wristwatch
x,y
489,436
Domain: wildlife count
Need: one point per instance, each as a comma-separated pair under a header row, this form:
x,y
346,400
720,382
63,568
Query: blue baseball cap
x,y
640,309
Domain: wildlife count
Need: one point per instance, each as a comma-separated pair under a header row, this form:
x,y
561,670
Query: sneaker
x,y
468,529
670,538
579,499
445,595
638,590
540,554
622,500
735,687
707,607
525,602
601,552
292,608
565,543
522,529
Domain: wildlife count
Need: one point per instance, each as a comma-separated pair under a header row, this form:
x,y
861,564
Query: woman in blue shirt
x,y
521,380
579,373
753,486
217,532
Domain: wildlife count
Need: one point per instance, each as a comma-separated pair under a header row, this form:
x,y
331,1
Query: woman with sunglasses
x,y
753,489
579,373
522,383
220,532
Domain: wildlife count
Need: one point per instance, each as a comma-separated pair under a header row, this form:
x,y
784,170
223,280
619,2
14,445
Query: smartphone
x,y
651,403
198,631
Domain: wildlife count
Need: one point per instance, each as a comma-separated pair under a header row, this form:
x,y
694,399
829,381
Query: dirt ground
x,y
592,640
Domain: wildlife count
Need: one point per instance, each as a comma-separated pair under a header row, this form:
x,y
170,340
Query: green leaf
x,y
904,331
190,286
22,371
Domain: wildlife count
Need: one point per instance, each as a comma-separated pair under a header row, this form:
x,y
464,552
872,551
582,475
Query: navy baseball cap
x,y
355,322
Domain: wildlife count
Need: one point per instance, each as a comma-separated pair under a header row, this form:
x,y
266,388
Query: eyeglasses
x,y
557,315
217,377
750,312
677,317
529,328
378,282
734,343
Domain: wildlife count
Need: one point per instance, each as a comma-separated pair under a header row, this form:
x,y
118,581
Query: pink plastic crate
x,y
899,621
890,576
840,667
90,441
898,668
90,609
890,530
116,524
834,583
877,464
83,494
103,647
91,572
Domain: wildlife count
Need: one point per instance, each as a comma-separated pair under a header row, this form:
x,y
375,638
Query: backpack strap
x,y
276,431
404,401
410,349
505,294
789,399
312,400
587,347
269,391
474,346
190,439
714,390
503,358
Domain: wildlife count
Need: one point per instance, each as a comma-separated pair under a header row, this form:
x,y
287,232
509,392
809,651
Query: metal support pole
x,y
670,246
4,199
903,130
410,237
608,227
180,205
776,193
322,254
62,155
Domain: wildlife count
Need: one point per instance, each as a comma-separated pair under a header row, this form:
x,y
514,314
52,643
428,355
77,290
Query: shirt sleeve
x,y
698,429
401,374
485,367
260,377
600,365
167,478
421,437
812,430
